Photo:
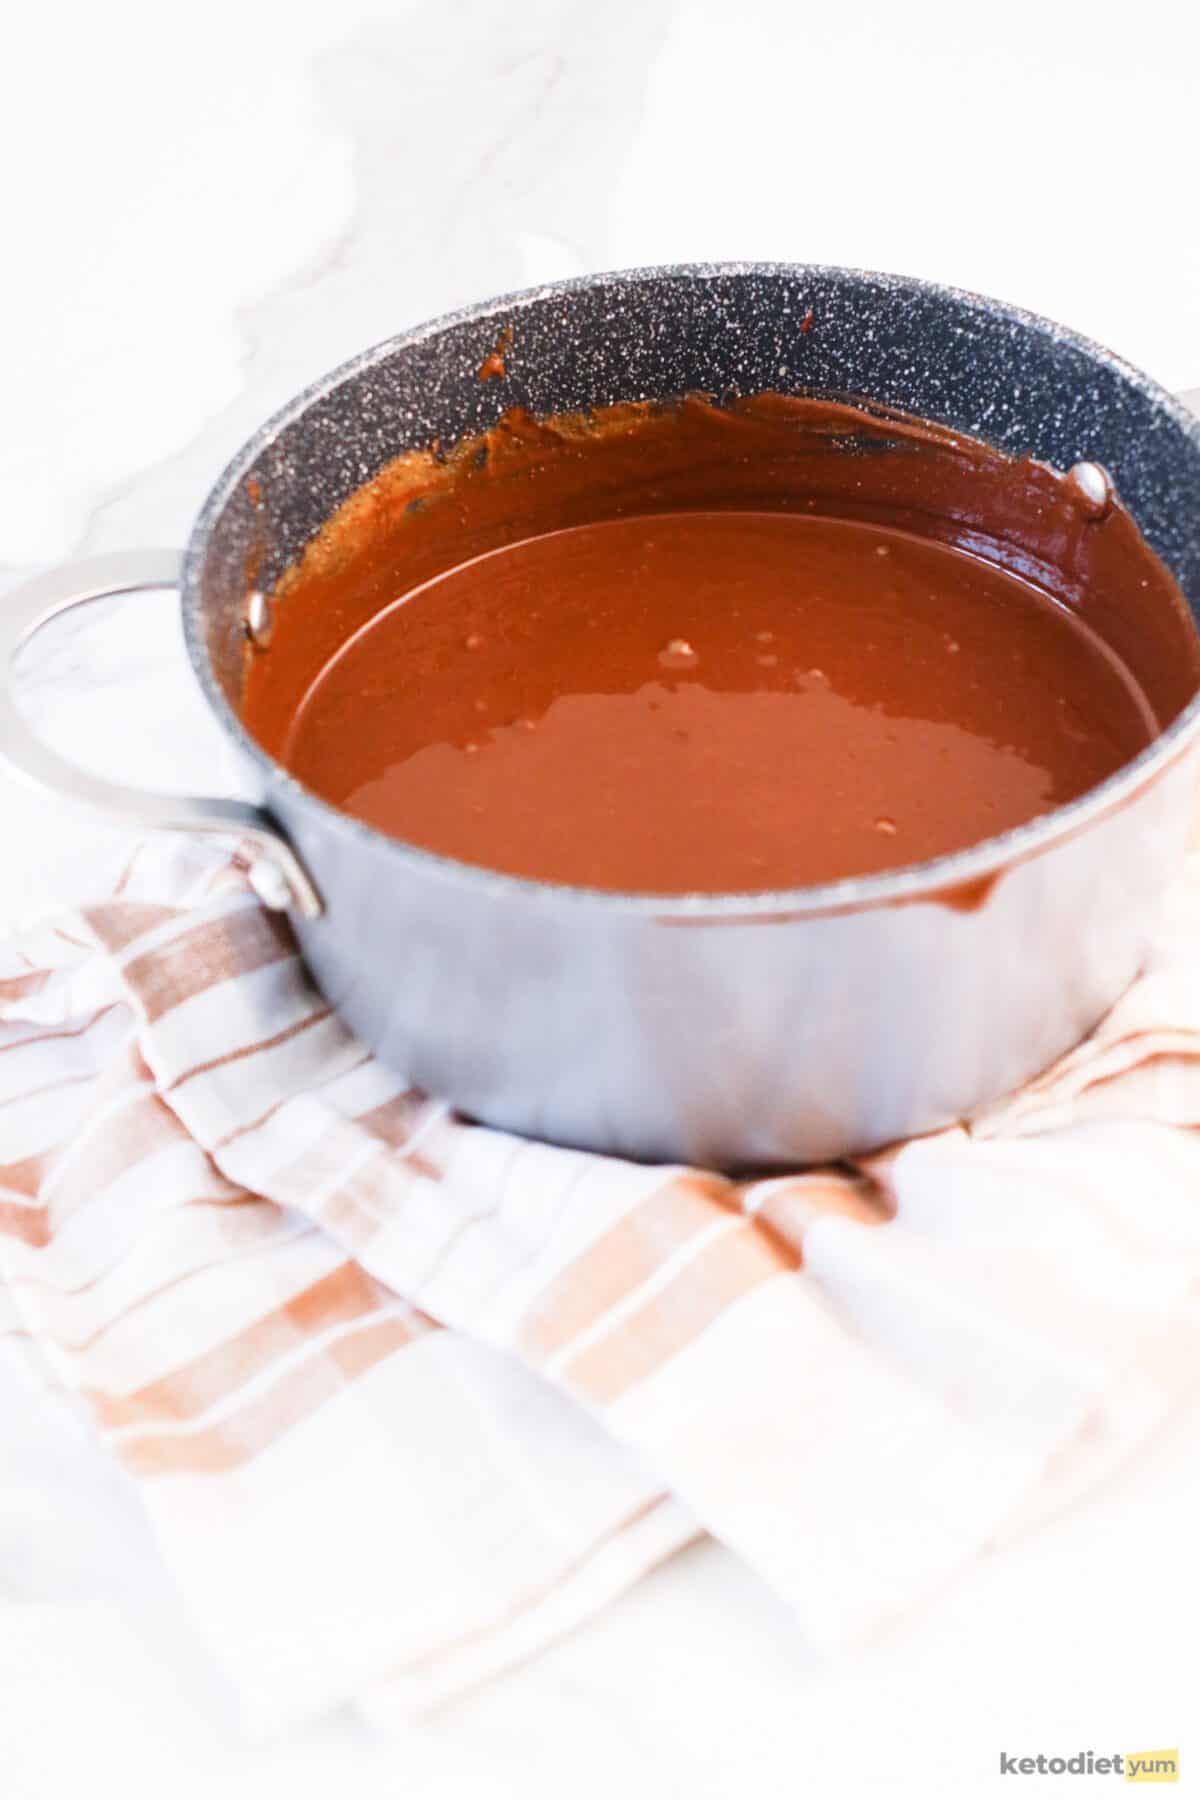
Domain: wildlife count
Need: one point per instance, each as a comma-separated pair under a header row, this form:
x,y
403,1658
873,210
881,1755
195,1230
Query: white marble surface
x,y
204,208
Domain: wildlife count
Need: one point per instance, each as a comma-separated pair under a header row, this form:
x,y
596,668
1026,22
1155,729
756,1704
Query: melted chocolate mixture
x,y
693,648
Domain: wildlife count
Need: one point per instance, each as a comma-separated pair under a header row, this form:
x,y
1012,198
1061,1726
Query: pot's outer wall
x,y
726,1044
773,1039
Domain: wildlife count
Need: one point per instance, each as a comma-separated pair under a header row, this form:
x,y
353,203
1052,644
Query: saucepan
x,y
733,1030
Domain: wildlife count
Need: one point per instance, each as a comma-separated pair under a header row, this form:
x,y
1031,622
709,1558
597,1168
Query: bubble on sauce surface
x,y
677,653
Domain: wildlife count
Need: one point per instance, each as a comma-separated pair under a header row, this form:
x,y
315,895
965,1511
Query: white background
x,y
203,208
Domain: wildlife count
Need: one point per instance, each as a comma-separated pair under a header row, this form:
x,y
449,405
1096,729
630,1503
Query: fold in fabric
x,y
406,1398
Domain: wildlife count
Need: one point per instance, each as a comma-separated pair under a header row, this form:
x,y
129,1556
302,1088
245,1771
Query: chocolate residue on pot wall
x,y
494,366
654,500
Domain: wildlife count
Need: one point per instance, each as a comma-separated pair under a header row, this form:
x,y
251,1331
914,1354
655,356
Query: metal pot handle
x,y
277,874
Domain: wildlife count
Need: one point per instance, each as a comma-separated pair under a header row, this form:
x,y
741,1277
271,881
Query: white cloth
x,y
405,1398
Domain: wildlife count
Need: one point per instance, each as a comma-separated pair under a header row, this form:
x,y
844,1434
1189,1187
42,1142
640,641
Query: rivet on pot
x,y
1094,487
258,619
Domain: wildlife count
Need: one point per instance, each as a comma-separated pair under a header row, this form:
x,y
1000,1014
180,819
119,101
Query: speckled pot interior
x,y
1020,382
588,1017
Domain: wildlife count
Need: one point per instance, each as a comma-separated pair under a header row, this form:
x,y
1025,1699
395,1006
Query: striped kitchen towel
x,y
406,1398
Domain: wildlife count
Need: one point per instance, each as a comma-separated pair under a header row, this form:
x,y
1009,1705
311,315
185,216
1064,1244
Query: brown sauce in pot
x,y
717,649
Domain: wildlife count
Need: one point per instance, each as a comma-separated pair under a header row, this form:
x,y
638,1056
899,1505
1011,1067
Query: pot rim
x,y
958,869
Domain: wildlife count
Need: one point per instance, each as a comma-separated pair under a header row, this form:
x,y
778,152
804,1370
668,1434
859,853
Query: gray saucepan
x,y
734,1030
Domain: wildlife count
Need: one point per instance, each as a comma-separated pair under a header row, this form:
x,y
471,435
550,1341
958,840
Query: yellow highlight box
x,y
1152,1765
